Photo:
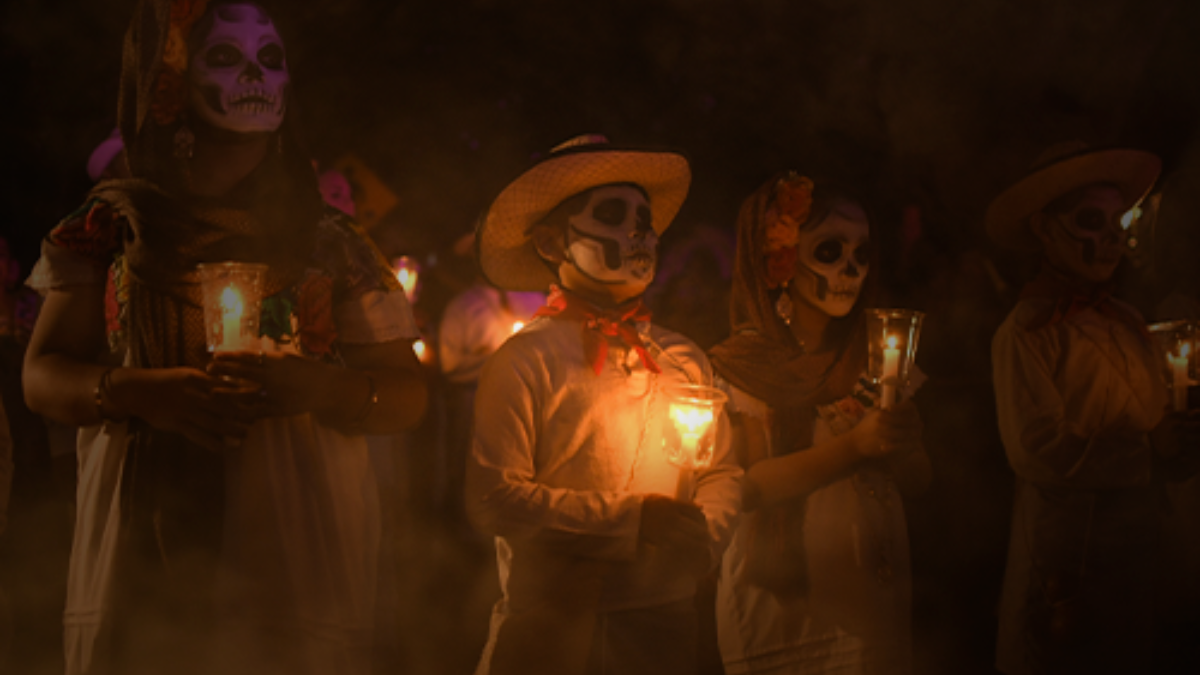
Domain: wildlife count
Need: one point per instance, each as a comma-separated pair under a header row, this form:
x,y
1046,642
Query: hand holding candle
x,y
1175,340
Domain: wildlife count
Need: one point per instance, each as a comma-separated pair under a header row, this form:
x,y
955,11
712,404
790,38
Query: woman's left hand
x,y
290,384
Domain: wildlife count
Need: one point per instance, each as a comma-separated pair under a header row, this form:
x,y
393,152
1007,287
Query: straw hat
x,y
505,250
1061,168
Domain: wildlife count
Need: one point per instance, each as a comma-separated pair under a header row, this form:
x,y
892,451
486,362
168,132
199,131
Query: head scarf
x,y
762,357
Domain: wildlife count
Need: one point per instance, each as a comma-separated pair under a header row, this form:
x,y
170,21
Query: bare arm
x,y
380,391
882,434
63,370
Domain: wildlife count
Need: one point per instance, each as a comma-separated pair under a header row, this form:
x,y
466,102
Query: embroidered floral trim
x,y
789,209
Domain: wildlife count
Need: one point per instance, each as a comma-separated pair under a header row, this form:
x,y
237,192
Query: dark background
x,y
935,105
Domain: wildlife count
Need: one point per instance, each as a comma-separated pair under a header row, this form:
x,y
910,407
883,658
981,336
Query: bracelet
x,y
101,392
372,400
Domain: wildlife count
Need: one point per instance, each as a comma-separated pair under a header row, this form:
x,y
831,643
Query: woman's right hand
x,y
890,434
209,411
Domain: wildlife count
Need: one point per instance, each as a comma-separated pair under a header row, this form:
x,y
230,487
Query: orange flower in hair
x,y
170,89
790,206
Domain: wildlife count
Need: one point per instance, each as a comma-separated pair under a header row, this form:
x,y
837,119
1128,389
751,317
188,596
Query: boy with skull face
x,y
817,577
598,565
1082,408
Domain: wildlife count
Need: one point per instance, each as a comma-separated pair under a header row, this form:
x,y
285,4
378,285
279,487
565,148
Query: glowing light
x,y
422,352
232,309
408,273
1130,217
517,326
892,341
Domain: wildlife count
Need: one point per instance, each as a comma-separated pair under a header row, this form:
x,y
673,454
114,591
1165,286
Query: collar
x,y
600,324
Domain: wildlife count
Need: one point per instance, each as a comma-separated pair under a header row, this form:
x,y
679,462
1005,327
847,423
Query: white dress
x,y
855,616
302,515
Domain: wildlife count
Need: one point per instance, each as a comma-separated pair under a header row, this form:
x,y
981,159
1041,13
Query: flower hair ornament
x,y
789,208
170,88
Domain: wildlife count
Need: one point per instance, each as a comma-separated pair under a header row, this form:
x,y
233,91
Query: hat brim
x,y
1133,172
506,254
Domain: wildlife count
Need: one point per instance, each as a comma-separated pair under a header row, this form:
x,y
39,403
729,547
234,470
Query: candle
x,y
891,373
691,422
1179,377
232,309
408,272
421,351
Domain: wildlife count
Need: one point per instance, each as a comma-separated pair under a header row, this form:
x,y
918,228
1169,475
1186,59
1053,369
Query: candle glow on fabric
x,y
232,309
517,326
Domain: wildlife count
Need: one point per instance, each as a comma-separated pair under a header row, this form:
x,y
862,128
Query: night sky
x,y
936,103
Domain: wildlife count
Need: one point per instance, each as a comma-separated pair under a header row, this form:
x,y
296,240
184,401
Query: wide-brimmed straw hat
x,y
1061,168
506,253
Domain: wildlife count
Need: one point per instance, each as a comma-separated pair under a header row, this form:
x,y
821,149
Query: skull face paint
x,y
612,242
1088,241
834,259
239,76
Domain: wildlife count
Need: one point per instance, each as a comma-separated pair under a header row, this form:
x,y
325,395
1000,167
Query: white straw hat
x,y
1061,168
506,253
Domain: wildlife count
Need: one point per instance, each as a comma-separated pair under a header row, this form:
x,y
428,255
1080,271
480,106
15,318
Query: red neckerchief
x,y
600,324
1069,300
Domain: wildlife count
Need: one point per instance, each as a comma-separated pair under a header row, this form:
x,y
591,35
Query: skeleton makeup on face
x,y
1087,241
611,241
834,259
238,75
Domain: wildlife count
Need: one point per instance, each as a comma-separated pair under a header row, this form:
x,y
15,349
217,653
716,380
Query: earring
x,y
784,307
185,142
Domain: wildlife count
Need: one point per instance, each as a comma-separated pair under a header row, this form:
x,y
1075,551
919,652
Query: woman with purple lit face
x,y
817,577
228,519
1082,407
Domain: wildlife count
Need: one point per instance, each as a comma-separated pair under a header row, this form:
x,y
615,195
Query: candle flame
x,y
517,326
892,341
692,420
422,352
407,279
231,302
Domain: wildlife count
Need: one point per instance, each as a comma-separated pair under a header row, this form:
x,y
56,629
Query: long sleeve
x,y
505,494
1069,404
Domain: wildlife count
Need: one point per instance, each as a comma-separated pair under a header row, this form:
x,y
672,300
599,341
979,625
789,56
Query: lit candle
x,y
420,350
1179,377
408,271
891,373
232,309
691,422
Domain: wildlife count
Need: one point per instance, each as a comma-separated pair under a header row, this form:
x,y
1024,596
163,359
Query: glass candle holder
x,y
232,304
892,336
1177,342
690,437
408,273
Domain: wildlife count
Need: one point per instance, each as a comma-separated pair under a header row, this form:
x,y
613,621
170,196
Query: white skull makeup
x,y
834,259
1088,241
612,242
239,75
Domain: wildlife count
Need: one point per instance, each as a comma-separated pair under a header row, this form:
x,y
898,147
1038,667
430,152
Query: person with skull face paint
x,y
1082,407
227,519
817,577
598,563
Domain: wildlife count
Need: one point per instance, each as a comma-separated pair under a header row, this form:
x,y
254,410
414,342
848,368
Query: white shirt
x,y
1087,377
564,452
